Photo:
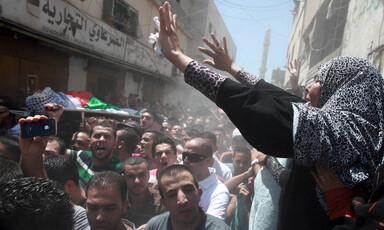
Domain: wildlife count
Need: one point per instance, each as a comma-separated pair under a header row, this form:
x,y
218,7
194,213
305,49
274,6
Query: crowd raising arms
x,y
335,139
340,129
339,76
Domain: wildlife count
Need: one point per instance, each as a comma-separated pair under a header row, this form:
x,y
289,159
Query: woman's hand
x,y
339,197
294,70
168,38
168,31
326,179
219,54
255,154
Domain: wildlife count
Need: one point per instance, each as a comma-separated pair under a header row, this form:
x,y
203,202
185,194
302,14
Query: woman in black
x,y
344,132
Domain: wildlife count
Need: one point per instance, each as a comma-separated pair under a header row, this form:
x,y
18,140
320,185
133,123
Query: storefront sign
x,y
62,21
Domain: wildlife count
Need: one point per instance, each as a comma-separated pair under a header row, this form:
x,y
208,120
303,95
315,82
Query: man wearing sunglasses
x,y
197,156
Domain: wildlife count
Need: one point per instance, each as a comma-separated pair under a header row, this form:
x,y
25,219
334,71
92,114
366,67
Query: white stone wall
x,y
364,30
363,35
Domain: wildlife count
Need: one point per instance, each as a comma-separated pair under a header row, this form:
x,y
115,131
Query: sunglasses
x,y
193,157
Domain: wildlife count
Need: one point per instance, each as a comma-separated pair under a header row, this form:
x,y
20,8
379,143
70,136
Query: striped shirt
x,y
83,160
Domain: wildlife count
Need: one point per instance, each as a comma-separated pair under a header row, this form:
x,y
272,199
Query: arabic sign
x,y
63,21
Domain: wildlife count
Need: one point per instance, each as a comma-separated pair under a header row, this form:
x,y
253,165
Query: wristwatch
x,y
255,161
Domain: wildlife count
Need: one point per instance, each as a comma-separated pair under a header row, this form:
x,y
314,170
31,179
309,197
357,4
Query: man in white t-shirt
x,y
197,156
222,170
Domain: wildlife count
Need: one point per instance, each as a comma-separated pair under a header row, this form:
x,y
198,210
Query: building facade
x,y
100,46
277,77
324,29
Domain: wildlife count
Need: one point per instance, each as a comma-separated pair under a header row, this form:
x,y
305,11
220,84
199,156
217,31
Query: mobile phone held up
x,y
46,127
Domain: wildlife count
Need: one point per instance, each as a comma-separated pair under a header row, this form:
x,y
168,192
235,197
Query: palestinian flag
x,y
84,99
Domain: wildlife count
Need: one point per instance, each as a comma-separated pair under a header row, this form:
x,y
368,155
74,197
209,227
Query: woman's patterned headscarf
x,y
335,73
346,131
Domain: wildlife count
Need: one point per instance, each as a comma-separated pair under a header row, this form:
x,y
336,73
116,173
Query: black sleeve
x,y
342,223
279,173
263,114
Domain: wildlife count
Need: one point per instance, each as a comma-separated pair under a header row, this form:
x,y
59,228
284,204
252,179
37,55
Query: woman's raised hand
x,y
294,70
168,31
168,38
219,54
326,179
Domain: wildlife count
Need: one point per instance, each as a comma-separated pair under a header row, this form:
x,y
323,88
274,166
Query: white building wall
x,y
363,35
297,48
364,26
91,7
219,28
202,14
146,11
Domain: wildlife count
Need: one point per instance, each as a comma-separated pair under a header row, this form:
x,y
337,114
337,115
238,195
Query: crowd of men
x,y
159,172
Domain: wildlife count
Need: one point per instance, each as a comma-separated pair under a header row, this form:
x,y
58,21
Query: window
x,y
328,29
121,16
